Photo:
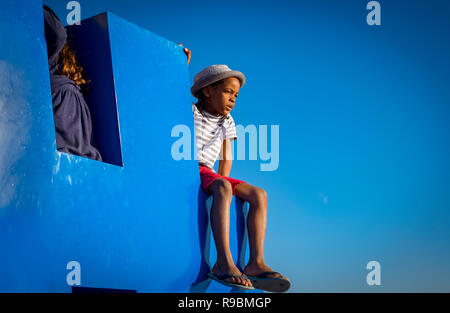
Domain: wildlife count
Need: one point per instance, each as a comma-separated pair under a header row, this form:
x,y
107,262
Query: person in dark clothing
x,y
72,118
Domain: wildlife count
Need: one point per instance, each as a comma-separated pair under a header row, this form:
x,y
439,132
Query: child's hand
x,y
188,53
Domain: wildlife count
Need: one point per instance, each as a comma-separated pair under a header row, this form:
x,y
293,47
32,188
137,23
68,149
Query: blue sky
x,y
363,113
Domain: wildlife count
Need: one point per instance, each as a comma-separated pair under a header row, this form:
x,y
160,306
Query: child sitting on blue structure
x,y
216,88
73,124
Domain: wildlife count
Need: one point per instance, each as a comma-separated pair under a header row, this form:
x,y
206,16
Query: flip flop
x,y
274,284
221,279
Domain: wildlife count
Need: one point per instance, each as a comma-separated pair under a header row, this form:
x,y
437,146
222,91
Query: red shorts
x,y
207,176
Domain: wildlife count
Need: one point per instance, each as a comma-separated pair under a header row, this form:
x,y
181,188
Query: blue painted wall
x,y
368,179
368,110
133,226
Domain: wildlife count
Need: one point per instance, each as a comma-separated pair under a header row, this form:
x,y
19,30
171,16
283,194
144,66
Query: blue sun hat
x,y
213,74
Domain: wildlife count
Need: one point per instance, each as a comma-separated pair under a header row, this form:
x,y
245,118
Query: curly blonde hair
x,y
69,66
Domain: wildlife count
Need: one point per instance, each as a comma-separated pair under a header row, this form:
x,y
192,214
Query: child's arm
x,y
226,159
187,52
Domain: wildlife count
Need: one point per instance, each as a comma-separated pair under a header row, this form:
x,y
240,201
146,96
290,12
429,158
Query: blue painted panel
x,y
131,227
28,146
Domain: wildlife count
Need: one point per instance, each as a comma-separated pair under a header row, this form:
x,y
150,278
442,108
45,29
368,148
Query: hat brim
x,y
212,79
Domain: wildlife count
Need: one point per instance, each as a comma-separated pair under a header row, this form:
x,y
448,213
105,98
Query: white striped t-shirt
x,y
210,132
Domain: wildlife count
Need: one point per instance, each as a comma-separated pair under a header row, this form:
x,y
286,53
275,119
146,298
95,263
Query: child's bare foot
x,y
264,278
221,269
254,269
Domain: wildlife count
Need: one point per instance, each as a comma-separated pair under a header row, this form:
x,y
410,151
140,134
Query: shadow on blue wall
x,y
205,202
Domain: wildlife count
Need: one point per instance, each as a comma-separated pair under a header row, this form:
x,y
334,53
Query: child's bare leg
x,y
220,224
256,226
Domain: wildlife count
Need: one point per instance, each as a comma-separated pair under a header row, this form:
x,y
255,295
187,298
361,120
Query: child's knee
x,y
222,187
258,196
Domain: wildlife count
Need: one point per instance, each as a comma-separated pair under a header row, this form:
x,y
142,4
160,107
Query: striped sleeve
x,y
230,129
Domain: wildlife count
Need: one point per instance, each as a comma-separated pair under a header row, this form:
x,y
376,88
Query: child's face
x,y
222,98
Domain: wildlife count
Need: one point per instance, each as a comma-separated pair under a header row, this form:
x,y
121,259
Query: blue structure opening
x,y
91,43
